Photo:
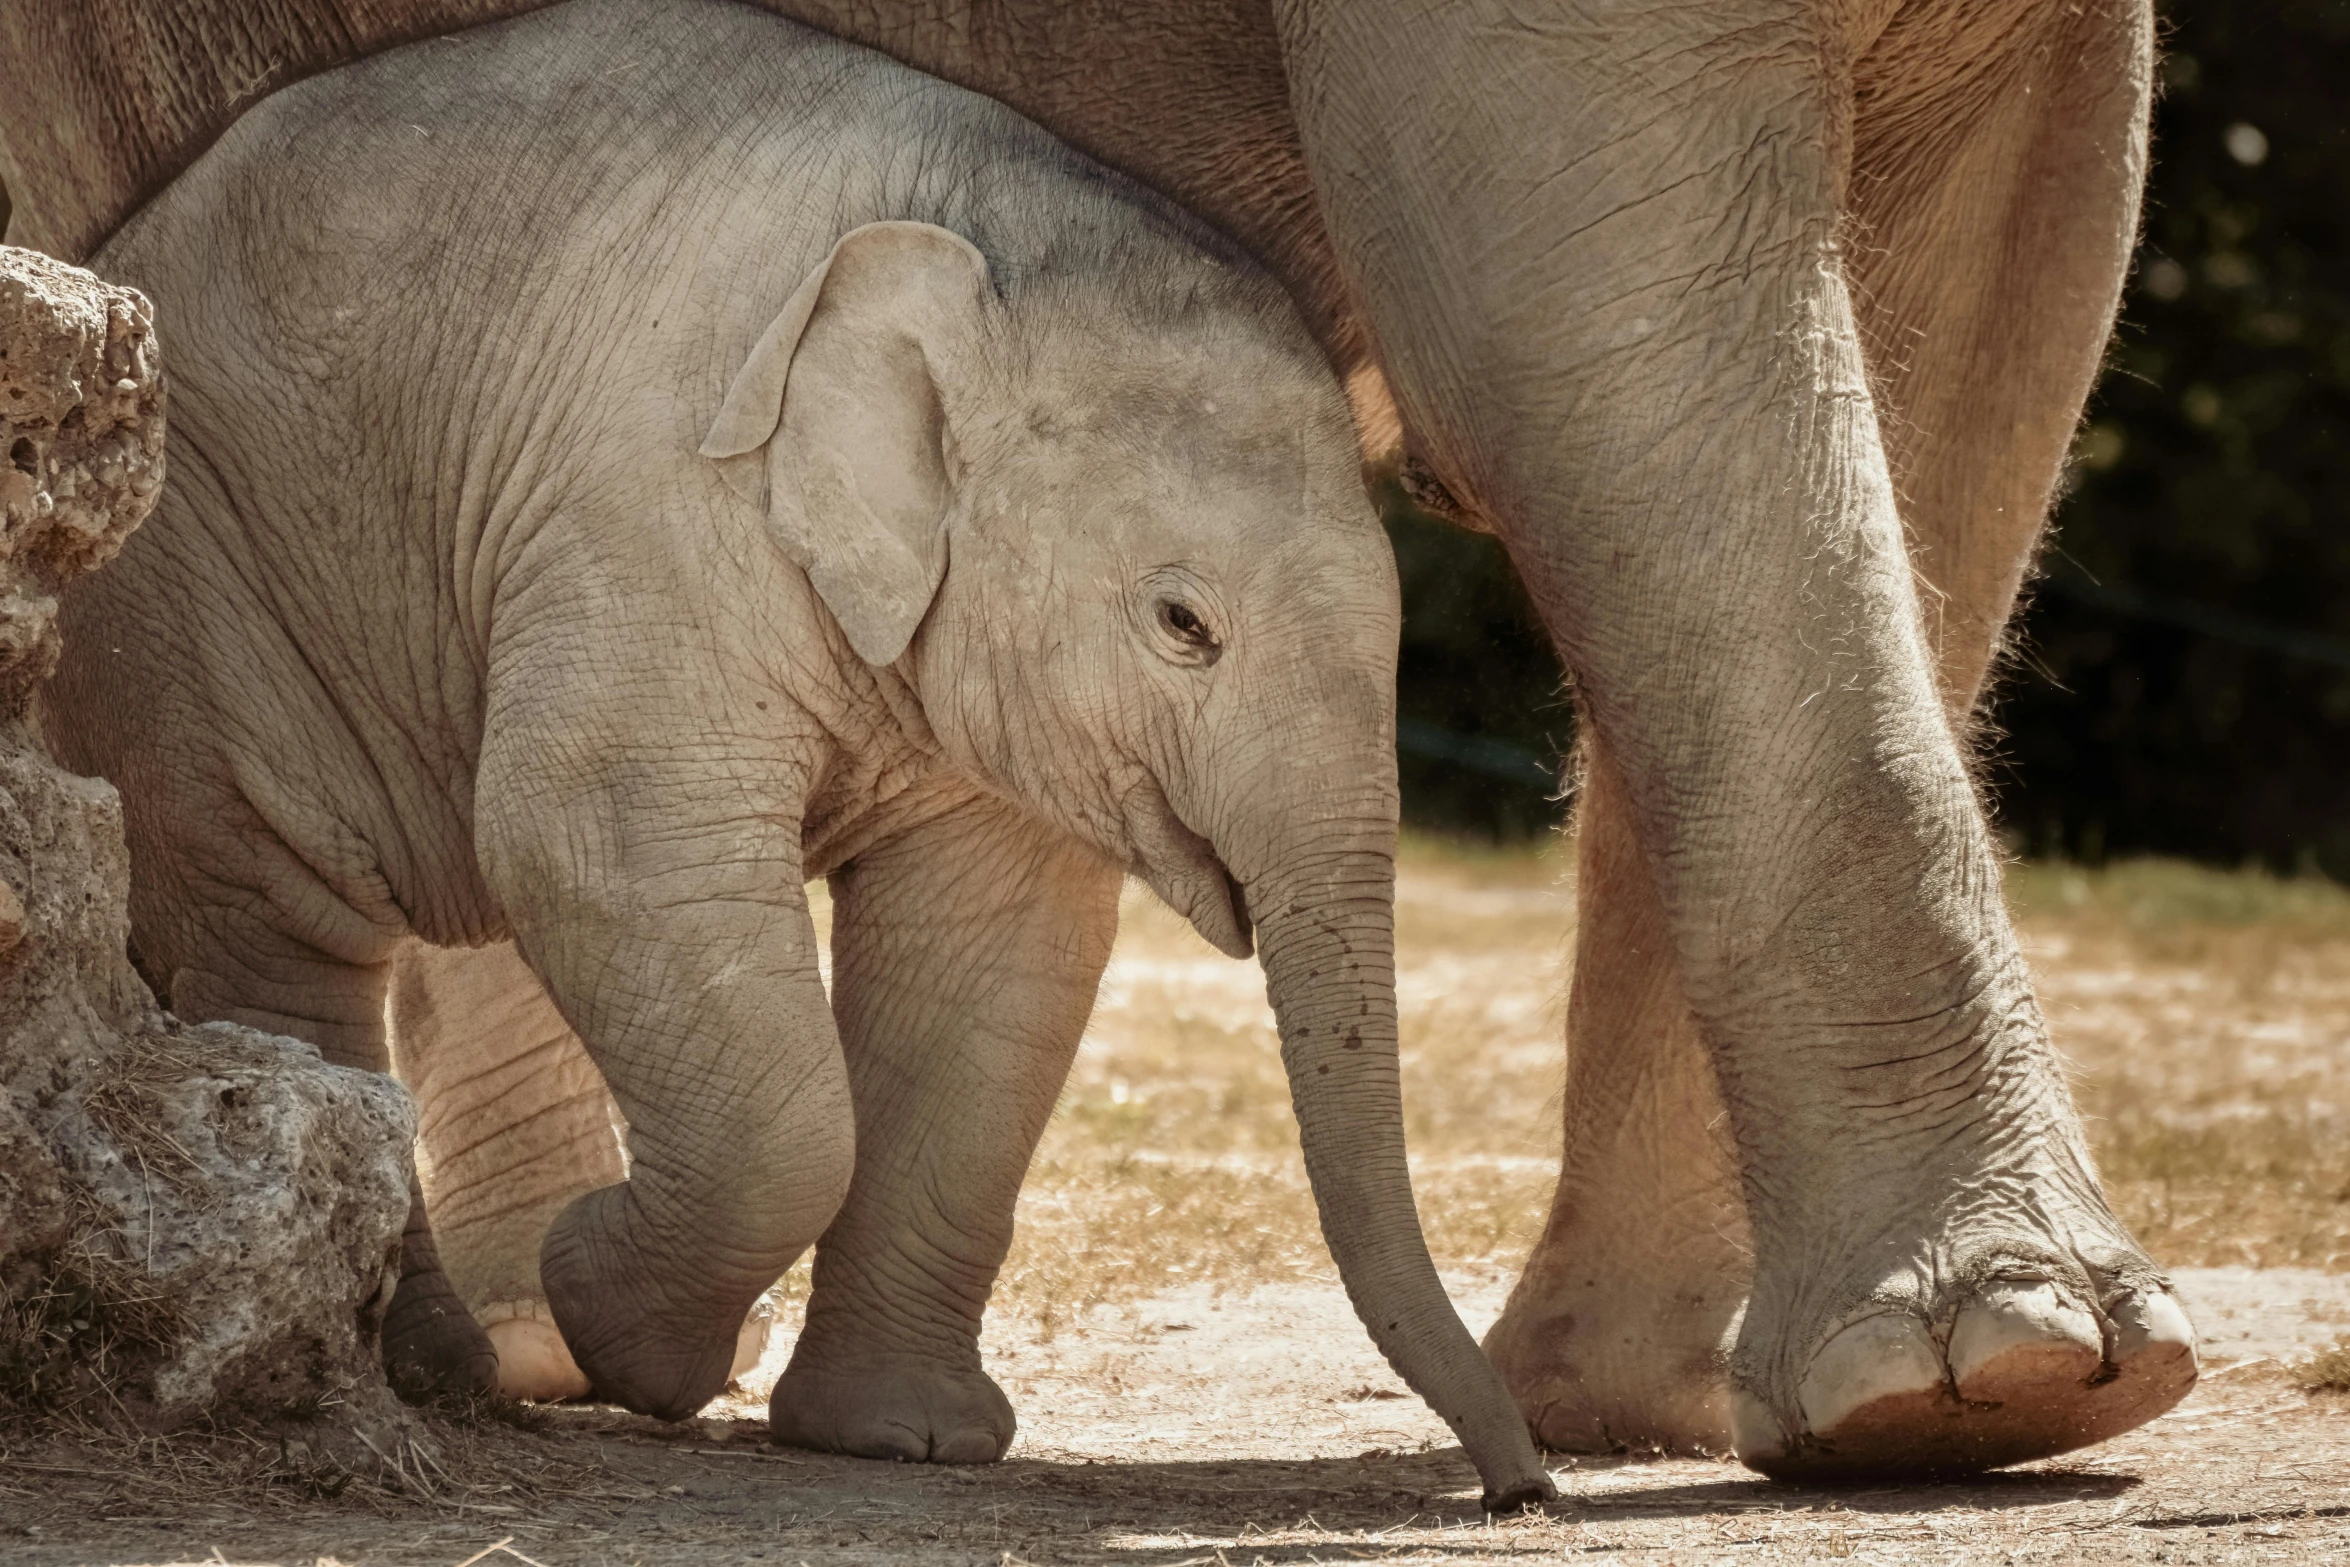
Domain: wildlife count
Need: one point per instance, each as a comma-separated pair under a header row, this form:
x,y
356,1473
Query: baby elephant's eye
x,y
1187,627
1184,621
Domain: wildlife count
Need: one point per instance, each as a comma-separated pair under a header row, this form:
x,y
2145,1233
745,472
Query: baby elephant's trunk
x,y
1326,928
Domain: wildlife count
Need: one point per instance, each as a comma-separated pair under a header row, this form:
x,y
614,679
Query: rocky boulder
x,y
194,1222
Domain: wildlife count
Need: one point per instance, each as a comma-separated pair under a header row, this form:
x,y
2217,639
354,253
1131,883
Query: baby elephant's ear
x,y
842,391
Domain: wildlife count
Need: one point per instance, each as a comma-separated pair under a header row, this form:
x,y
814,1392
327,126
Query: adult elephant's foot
x,y
1613,1360
2016,1356
893,1407
533,1361
1618,1334
432,1347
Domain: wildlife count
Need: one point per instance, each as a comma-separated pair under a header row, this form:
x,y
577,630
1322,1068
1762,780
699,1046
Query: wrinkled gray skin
x,y
1758,332
796,467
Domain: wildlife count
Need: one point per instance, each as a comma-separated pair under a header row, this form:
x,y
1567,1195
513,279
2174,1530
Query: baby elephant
x,y
905,501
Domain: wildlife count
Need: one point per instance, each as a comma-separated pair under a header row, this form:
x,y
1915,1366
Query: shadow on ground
x,y
596,1485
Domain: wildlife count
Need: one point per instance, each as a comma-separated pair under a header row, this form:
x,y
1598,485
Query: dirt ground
x,y
1193,1388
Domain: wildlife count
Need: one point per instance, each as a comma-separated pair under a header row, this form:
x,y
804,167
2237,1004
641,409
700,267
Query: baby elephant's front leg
x,y
965,959
740,1137
660,901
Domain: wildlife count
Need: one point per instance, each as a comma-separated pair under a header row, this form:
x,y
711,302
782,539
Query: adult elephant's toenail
x,y
1755,1433
2023,1337
1887,1356
2151,1330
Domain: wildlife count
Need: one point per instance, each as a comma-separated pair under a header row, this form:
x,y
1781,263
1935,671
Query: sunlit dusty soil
x,y
1193,1388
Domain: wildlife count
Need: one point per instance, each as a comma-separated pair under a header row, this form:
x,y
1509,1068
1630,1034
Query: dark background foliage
x,y
2188,680
1481,717
2182,684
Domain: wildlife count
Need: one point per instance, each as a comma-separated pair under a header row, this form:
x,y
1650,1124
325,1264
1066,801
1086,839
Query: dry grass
x,y
2205,1013
454,1464
2327,1371
1173,1156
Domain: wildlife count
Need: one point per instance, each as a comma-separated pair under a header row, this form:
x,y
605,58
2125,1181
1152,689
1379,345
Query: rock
x,y
81,444
259,1193
11,919
194,1222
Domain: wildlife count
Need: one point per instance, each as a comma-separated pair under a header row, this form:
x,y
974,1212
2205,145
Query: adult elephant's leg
x,y
1607,279
1957,197
966,953
1617,1334
1992,231
237,967
1995,204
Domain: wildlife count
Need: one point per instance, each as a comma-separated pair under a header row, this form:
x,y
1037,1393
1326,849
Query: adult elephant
x,y
1757,331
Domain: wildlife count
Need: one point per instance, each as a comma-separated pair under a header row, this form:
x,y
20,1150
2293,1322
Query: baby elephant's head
x,y
1112,530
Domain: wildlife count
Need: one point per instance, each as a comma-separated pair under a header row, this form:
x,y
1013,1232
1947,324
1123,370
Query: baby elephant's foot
x,y
644,1337
432,1347
2026,1363
914,1411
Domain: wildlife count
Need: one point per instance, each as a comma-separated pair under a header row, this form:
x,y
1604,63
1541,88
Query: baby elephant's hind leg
x,y
966,954
258,977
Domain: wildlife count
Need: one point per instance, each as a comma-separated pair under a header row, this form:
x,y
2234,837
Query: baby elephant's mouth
x,y
1196,885
1243,926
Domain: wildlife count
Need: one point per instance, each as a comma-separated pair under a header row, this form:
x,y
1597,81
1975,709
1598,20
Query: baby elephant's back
x,y
493,166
